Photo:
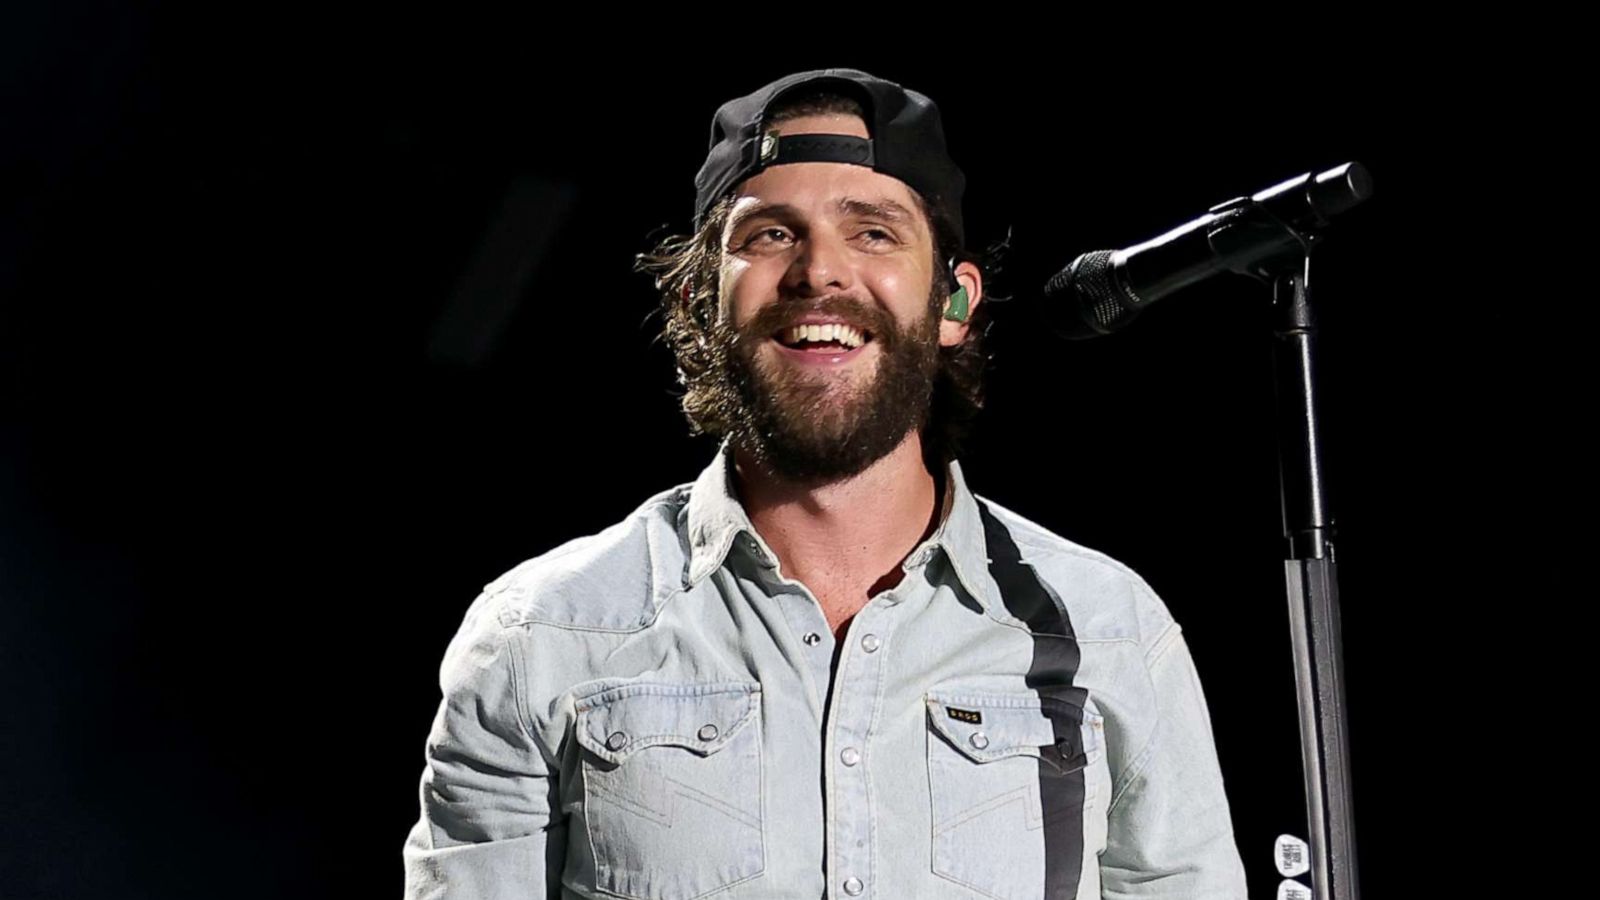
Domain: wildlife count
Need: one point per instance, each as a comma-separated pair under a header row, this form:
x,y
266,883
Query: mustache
x,y
862,316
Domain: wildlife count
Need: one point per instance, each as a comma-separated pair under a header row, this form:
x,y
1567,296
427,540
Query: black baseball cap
x,y
906,142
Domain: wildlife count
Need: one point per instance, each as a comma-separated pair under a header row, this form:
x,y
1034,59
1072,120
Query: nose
x,y
821,265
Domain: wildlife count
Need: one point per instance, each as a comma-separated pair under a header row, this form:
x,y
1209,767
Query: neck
x,y
845,538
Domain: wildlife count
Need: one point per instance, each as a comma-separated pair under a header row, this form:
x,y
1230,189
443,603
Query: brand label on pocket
x,y
965,715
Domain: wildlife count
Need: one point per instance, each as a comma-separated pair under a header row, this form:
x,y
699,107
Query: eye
x,y
879,236
760,237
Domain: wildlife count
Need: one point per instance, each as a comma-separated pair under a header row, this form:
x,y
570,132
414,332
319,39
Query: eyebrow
x,y
880,208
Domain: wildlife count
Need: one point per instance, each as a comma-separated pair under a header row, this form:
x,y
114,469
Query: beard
x,y
814,426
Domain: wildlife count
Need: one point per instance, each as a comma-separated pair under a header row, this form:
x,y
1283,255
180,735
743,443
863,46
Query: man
x,y
824,668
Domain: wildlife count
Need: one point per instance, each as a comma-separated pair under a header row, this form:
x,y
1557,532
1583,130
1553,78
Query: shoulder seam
x,y
524,717
1163,642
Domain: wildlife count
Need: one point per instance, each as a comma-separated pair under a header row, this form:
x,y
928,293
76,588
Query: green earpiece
x,y
956,311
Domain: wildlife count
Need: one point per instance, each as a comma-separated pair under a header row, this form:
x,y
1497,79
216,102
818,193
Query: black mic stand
x,y
1268,236
1270,247
1313,584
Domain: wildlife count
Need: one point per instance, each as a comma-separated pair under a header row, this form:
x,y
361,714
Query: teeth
x,y
832,331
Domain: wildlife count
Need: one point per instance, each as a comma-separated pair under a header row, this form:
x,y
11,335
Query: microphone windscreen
x,y
1084,301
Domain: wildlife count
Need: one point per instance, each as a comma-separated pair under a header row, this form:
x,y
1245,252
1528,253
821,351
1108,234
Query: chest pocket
x,y
672,787
1008,778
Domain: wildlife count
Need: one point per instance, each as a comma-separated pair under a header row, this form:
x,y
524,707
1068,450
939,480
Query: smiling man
x,y
825,667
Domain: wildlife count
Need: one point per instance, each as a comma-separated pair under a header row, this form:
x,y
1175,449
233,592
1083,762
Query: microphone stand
x,y
1313,584
1269,236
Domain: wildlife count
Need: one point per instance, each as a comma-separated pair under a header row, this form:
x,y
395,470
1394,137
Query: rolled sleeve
x,y
486,829
1169,832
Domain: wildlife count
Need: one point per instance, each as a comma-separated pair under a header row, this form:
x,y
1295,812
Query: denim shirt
x,y
655,712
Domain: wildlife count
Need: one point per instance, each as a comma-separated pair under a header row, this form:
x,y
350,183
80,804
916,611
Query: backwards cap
x,y
907,142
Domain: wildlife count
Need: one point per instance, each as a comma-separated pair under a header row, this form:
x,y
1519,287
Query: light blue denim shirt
x,y
653,712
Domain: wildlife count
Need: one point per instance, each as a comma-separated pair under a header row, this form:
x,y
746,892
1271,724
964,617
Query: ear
x,y
952,333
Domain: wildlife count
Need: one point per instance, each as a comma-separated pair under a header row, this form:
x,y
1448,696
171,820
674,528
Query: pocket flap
x,y
615,723
985,726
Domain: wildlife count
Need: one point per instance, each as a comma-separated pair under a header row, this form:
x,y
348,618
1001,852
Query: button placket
x,y
857,686
810,628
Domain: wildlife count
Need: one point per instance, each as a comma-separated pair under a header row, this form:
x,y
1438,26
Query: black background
x,y
266,430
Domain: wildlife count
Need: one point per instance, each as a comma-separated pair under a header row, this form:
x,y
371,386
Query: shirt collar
x,y
716,520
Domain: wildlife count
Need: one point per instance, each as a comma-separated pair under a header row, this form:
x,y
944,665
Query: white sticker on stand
x,y
1290,889
1292,856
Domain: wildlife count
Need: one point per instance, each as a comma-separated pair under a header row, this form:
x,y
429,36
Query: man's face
x,y
827,245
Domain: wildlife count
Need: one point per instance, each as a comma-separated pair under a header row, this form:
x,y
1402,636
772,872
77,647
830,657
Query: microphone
x,y
1102,291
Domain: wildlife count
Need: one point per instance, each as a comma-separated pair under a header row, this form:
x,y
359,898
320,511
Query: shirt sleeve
x,y
486,830
1169,832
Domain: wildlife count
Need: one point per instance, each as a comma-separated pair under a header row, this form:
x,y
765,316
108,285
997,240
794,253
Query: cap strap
x,y
778,149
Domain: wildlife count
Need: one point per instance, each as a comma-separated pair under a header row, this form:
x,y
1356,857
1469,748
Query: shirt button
x,y
708,732
811,638
870,643
853,886
616,740
850,755
979,740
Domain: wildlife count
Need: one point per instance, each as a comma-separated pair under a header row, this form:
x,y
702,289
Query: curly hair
x,y
686,270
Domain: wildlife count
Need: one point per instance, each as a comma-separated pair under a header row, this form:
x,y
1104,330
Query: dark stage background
x,y
303,340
